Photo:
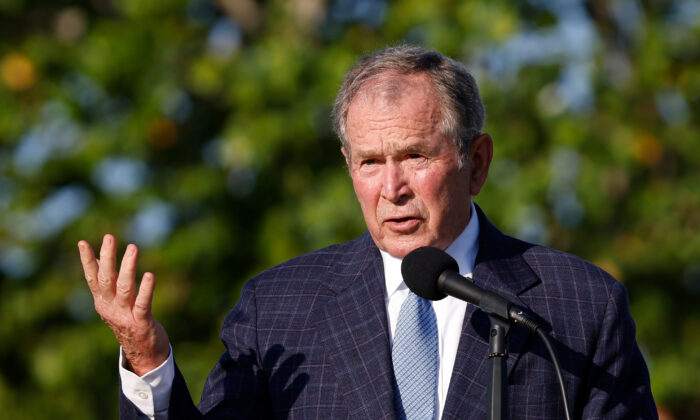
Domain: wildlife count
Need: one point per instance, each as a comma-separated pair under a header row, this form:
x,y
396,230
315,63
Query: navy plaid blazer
x,y
309,339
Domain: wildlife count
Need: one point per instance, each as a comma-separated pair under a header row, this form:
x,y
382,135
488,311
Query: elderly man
x,y
331,334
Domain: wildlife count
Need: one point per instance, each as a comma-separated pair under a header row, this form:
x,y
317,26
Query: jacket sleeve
x,y
619,383
236,387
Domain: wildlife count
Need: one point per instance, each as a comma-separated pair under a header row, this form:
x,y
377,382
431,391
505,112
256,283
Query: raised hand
x,y
143,339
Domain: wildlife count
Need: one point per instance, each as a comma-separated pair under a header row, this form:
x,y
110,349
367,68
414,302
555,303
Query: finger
x,y
126,284
90,267
142,304
106,273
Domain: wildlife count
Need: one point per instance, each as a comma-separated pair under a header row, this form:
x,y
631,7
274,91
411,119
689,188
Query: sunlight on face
x,y
405,173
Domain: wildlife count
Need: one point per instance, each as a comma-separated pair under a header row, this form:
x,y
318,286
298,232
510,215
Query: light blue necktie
x,y
415,358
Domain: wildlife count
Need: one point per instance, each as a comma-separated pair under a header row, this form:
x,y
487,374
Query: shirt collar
x,y
463,250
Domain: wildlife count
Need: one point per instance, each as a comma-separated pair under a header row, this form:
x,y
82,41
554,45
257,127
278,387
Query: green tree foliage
x,y
200,130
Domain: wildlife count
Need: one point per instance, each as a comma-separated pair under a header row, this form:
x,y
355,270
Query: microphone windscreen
x,y
422,267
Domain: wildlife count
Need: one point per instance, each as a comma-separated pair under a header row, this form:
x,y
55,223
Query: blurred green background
x,y
200,130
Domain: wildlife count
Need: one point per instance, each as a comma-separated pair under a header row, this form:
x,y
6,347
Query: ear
x,y
346,155
480,155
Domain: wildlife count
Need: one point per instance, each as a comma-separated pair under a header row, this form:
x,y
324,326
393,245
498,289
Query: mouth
x,y
403,224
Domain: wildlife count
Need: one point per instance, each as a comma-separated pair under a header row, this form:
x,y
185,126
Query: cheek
x,y
366,195
430,187
439,191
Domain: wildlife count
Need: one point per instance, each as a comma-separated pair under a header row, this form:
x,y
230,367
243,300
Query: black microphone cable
x,y
519,318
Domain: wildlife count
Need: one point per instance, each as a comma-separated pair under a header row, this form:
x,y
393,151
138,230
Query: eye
x,y
414,156
369,162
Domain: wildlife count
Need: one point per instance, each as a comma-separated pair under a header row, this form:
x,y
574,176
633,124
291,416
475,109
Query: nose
x,y
394,188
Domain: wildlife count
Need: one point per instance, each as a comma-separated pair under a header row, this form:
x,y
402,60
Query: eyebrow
x,y
418,147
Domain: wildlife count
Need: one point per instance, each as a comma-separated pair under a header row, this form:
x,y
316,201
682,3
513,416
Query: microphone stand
x,y
498,310
497,387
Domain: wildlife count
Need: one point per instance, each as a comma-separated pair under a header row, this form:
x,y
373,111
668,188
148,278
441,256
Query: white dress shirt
x,y
151,392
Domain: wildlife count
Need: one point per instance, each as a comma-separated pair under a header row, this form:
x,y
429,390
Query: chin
x,y
400,250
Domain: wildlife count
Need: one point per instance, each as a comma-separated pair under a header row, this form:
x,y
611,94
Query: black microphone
x,y
432,274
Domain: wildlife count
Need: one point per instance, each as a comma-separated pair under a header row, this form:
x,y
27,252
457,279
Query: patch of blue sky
x,y
120,175
224,39
570,42
17,262
152,224
686,13
59,209
54,135
369,12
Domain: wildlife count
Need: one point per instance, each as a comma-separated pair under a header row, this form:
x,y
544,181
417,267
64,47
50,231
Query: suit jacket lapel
x,y
499,267
353,327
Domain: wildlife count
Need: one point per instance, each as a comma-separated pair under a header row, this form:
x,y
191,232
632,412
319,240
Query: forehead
x,y
390,88
396,107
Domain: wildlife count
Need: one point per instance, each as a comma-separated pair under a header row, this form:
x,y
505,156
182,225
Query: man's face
x,y
405,173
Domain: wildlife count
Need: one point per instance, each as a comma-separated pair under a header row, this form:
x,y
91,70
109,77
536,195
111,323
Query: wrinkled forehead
x,y
390,88
393,113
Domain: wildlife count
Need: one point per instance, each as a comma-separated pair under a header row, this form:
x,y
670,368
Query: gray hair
x,y
463,112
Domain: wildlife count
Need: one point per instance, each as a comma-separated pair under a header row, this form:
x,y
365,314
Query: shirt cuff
x,y
150,393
